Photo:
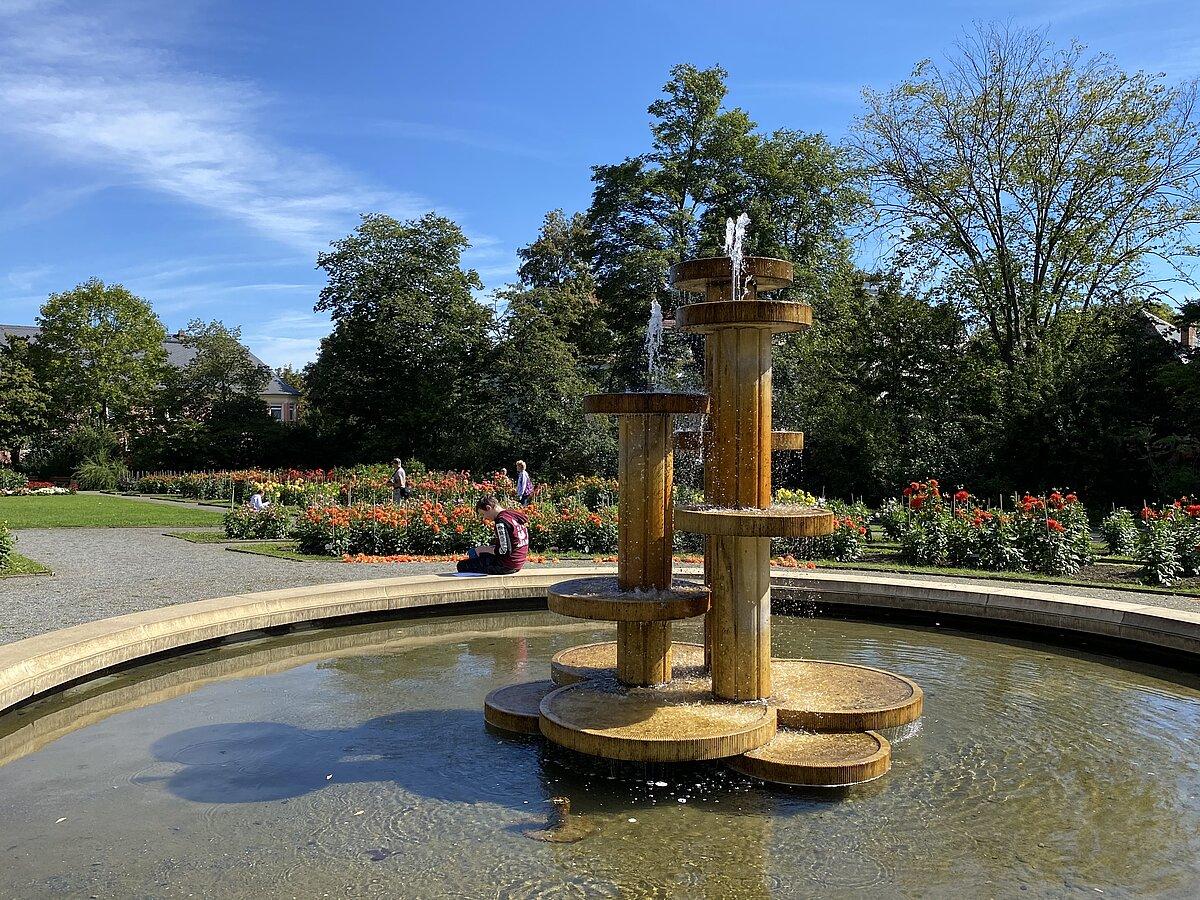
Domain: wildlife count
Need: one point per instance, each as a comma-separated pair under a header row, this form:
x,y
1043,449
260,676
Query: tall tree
x,y
24,402
1034,181
104,350
221,368
402,372
556,284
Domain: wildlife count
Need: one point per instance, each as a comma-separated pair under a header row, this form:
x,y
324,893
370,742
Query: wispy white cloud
x,y
290,338
85,89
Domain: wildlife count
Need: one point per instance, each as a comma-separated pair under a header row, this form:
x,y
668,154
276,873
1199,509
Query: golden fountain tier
x,y
641,698
586,661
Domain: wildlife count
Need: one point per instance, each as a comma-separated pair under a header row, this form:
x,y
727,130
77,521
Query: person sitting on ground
x,y
257,503
524,484
509,547
399,482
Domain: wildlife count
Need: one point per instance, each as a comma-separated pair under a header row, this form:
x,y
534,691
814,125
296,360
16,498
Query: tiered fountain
x,y
641,698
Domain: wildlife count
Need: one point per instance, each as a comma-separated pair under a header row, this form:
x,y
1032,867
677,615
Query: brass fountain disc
x,y
830,696
515,706
774,521
632,404
777,315
602,599
695,275
692,440
824,760
586,661
678,722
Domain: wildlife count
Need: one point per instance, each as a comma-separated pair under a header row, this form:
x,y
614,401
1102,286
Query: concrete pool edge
x,y
36,665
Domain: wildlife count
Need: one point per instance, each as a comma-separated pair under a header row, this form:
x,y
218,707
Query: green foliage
x,y
1158,553
24,401
404,369
101,472
7,544
1120,532
11,480
274,522
220,369
1034,181
103,351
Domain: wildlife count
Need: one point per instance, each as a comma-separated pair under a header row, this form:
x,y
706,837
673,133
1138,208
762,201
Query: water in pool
x,y
355,762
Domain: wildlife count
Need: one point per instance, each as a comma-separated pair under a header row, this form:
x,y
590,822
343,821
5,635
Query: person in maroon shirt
x,y
510,544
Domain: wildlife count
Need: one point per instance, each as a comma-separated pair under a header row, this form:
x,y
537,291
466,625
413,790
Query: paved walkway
x,y
101,572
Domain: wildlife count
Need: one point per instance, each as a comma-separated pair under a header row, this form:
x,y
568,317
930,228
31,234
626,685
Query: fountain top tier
x,y
714,275
646,404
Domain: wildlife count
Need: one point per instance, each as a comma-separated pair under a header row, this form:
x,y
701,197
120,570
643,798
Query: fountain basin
x,y
693,276
777,316
589,661
781,520
644,404
676,722
603,600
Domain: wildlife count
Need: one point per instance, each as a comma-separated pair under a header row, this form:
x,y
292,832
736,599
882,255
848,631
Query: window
x,y
277,413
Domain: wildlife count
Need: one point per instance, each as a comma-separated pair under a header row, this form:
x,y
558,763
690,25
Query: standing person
x,y
509,548
524,484
399,481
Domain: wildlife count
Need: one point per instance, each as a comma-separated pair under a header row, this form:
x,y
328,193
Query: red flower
x,y
1054,525
1147,514
918,501
1072,498
962,496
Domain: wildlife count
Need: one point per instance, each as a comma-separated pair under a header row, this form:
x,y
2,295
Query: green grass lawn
x,y
212,537
22,565
97,511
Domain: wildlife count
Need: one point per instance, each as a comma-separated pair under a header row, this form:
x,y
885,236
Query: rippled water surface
x,y
354,762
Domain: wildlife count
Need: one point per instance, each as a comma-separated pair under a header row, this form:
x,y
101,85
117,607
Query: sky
x,y
203,152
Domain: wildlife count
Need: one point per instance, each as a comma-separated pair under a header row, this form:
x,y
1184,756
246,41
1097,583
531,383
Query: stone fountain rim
x,y
40,664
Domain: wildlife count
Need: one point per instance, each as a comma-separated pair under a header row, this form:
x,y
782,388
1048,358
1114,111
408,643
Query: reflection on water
x,y
354,762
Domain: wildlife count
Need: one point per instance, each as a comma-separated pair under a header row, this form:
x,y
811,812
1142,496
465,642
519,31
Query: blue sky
x,y
202,152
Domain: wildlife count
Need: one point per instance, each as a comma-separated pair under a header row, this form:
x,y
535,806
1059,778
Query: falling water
x,y
654,342
735,235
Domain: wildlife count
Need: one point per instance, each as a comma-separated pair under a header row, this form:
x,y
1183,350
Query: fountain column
x,y
737,466
645,534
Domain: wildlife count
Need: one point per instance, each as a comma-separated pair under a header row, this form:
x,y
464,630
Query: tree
x,y
707,163
558,289
404,369
103,348
291,377
221,368
24,402
1033,182
537,384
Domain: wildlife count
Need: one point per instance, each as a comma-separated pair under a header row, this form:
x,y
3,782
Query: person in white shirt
x,y
257,503
524,484
399,481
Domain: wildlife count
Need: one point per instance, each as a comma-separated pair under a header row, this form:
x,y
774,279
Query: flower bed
x,y
1048,534
366,484
1168,541
425,527
272,523
14,484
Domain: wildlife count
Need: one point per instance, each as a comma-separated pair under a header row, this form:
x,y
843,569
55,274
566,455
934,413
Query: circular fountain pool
x,y
355,761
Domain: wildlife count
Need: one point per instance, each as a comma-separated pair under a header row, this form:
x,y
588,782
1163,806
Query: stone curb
x,y
38,664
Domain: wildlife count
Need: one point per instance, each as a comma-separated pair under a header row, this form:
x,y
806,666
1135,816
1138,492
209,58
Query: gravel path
x,y
101,572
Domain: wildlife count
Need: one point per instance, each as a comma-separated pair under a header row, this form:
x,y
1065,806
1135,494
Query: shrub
x,y
10,480
1120,532
1169,543
272,523
6,545
1047,534
101,472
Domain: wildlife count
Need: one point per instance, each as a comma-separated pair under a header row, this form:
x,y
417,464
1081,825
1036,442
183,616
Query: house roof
x,y
1168,332
177,355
